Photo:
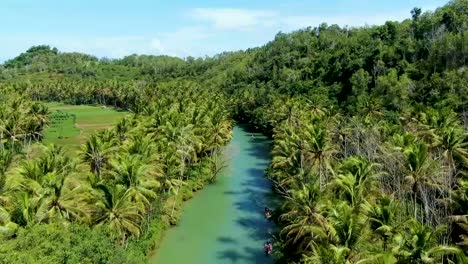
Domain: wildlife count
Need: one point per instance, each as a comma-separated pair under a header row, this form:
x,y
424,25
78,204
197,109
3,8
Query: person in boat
x,y
268,248
267,212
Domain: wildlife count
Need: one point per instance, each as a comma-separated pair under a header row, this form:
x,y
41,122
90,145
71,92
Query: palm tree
x,y
419,166
346,225
108,136
170,183
30,170
141,146
38,113
357,178
122,128
338,236
6,158
455,147
417,243
381,218
303,216
327,254
63,198
460,218
139,179
369,108
55,193
185,142
217,132
96,153
56,160
318,150
24,209
379,258
12,130
288,156
117,209
10,184
7,227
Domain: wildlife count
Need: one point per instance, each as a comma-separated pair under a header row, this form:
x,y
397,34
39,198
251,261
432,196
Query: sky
x,y
115,28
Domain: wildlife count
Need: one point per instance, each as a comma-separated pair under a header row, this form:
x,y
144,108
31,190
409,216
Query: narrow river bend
x,y
224,222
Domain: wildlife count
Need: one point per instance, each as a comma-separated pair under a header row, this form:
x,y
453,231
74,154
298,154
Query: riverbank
x,y
169,213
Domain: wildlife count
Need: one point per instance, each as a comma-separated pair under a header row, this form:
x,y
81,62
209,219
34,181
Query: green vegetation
x,y
62,127
55,244
126,181
369,126
70,125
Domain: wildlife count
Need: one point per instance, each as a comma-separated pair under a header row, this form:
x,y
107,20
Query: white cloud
x,y
233,18
183,42
250,19
157,45
112,46
296,22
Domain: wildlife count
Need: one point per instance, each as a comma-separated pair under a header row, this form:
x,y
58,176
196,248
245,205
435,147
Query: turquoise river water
x,y
224,222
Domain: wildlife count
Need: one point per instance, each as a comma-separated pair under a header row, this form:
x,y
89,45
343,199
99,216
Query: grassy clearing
x,y
71,124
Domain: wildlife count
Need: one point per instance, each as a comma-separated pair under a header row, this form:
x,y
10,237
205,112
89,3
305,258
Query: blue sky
x,y
114,28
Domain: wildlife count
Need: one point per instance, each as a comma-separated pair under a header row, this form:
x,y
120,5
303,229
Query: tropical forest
x,y
336,144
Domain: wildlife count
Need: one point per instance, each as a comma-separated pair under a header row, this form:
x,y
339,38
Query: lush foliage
x,y
54,244
125,177
370,142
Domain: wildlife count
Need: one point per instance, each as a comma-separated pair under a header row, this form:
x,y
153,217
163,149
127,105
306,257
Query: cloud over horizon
x,y
192,31
234,18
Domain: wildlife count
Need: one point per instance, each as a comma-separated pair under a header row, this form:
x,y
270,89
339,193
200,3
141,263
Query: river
x,y
224,222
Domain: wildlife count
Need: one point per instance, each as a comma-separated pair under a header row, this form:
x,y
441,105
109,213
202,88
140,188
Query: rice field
x,y
71,124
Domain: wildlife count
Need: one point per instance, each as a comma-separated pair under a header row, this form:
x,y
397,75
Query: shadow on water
x,y
226,240
251,198
233,192
257,255
237,203
244,255
231,255
263,164
259,229
252,178
260,150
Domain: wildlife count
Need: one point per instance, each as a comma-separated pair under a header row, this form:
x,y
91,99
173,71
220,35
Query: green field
x,y
71,124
